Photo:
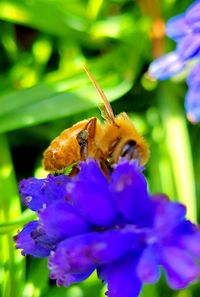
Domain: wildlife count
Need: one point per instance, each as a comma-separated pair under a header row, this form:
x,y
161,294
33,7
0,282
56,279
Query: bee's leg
x,y
84,135
74,171
105,167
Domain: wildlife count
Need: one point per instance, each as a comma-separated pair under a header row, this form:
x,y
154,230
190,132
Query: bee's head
x,y
130,150
131,144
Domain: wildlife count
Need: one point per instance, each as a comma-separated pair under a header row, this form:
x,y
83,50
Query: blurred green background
x,y
43,90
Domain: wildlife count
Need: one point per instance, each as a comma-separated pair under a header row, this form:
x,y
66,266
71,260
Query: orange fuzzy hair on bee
x,y
124,132
107,142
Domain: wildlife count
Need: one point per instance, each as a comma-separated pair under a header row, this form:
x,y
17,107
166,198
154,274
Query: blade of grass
x,y
9,226
52,105
37,279
18,99
11,262
49,17
179,149
93,8
159,167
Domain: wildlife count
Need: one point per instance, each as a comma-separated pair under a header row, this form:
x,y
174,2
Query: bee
x,y
106,142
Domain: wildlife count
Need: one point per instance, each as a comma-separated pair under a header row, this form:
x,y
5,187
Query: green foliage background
x,y
43,90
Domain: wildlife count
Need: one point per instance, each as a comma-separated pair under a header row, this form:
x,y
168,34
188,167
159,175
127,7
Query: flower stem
x,y
179,149
12,264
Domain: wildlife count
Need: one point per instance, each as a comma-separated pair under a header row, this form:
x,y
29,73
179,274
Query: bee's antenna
x,y
108,108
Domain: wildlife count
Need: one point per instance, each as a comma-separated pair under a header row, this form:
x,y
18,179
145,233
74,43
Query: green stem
x,y
93,8
26,217
11,262
179,149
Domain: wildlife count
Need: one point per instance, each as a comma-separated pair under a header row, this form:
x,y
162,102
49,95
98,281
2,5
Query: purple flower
x,y
112,225
177,27
25,240
166,66
192,100
192,104
184,29
193,16
37,194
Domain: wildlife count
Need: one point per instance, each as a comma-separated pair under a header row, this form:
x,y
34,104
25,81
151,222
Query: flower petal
x,y
189,46
193,15
180,266
191,243
67,279
25,241
111,245
61,220
121,277
193,79
166,66
37,193
177,27
192,104
129,191
90,195
147,268
167,215
70,257
80,253
187,236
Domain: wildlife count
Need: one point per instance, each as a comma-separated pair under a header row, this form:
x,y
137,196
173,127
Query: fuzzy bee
x,y
108,141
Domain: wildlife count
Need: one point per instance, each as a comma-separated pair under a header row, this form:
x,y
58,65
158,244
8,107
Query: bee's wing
x,y
106,109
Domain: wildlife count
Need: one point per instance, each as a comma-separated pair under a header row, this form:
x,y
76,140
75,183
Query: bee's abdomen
x,y
60,155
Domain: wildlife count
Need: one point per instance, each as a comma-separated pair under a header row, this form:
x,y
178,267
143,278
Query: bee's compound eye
x,y
130,150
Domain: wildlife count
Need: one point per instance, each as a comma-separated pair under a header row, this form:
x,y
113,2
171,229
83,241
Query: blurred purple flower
x,y
113,225
184,29
166,66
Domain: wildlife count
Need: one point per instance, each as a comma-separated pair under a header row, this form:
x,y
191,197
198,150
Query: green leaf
x,y
49,16
26,217
37,279
179,148
56,106
41,103
12,274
